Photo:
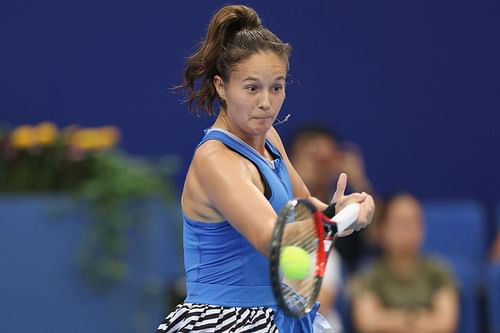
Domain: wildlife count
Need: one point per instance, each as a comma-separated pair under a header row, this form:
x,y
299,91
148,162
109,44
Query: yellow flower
x,y
23,137
108,136
84,139
93,138
45,133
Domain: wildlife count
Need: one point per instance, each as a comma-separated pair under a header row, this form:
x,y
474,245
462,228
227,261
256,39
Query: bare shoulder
x,y
275,138
214,157
213,170
215,166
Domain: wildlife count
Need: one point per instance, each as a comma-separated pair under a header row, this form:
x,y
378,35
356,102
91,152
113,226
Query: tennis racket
x,y
301,225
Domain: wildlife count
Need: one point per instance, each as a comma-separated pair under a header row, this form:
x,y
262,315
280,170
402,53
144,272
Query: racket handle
x,y
346,219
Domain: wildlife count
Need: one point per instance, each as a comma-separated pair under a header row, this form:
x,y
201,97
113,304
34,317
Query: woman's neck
x,y
256,142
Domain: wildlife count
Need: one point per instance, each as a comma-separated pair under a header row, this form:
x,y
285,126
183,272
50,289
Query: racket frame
x,y
320,220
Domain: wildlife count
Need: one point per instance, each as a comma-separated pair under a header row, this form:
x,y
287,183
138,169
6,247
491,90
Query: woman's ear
x,y
219,87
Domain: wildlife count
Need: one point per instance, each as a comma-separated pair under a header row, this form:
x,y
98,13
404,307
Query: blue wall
x,y
415,83
41,282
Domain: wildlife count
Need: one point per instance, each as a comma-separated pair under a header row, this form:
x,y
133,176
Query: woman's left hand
x,y
367,205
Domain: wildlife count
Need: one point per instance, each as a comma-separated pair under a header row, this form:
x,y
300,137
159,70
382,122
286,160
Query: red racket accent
x,y
320,253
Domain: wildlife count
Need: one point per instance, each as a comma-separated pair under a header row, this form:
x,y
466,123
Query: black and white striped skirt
x,y
189,317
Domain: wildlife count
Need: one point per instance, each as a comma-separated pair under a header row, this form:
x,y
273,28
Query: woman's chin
x,y
261,130
259,127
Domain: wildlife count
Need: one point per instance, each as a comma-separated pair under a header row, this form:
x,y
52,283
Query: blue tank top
x,y
222,267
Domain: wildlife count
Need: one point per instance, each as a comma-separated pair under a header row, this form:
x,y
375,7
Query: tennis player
x,y
238,180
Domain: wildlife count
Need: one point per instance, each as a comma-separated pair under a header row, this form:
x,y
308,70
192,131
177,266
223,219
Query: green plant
x,y
84,163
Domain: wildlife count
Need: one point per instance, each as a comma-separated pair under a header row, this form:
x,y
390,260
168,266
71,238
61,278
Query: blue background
x,y
41,282
414,83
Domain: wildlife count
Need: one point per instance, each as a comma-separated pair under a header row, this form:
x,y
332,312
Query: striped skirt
x,y
189,317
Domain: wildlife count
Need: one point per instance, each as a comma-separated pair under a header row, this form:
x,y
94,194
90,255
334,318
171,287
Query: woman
x,y
238,180
404,291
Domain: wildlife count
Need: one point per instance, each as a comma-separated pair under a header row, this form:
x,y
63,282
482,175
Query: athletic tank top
x,y
222,267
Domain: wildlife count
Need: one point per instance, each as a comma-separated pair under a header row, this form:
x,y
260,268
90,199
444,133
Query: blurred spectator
x,y
319,157
332,282
495,249
404,291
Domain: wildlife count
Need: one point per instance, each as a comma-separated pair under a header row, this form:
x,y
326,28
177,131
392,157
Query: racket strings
x,y
300,231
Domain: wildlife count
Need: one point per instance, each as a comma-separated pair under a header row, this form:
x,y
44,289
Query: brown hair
x,y
234,33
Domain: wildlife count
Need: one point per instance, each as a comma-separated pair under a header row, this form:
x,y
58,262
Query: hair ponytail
x,y
234,33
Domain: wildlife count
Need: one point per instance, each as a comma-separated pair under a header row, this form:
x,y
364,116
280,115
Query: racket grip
x,y
329,211
346,219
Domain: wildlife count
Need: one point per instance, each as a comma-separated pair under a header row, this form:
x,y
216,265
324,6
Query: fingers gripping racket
x,y
302,240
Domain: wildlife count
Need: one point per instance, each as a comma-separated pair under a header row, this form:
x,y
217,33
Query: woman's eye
x,y
251,88
277,88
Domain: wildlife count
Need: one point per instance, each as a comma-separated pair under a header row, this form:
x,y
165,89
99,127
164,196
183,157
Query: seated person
x,y
319,157
332,282
495,248
404,291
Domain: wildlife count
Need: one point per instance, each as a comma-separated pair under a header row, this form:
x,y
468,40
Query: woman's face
x,y
254,93
402,232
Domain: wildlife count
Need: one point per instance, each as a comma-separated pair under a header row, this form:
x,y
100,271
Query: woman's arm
x,y
223,182
370,316
443,316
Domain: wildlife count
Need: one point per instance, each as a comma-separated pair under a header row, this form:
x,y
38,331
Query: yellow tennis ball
x,y
295,262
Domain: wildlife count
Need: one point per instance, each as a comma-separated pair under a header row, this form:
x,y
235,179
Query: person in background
x,y
404,291
495,246
495,249
332,284
319,156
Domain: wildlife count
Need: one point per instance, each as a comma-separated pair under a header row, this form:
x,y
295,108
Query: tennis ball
x,y
295,262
